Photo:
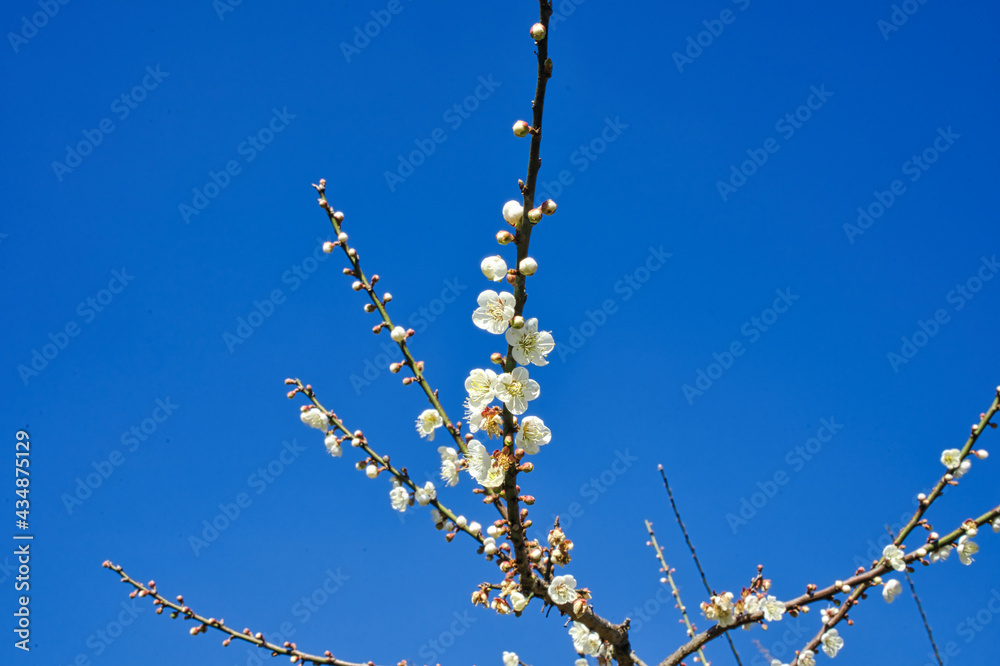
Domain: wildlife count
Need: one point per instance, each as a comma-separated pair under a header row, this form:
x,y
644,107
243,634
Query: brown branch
x,y
920,607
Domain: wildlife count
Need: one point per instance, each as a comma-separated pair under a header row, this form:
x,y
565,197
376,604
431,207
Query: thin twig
x,y
920,607
668,572
687,539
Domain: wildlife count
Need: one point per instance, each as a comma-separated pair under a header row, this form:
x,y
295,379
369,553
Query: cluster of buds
x,y
560,546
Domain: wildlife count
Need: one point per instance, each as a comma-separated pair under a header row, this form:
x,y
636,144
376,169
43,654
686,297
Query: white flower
x,y
480,385
512,211
832,643
399,497
315,418
487,418
448,453
773,609
724,608
398,334
966,549
751,604
426,494
494,268
585,641
890,590
529,345
807,658
494,312
474,527
894,556
483,468
511,659
562,589
515,389
527,266
533,434
518,601
449,472
964,467
951,458
428,420
941,554
333,446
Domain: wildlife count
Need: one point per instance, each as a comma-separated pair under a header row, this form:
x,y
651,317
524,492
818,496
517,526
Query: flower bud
x,y
394,367
357,286
328,247
512,212
548,207
475,527
369,308
497,358
461,521
371,471
534,215
579,607
494,268
528,266
505,237
521,129
538,32
338,216
398,334
982,454
517,322
342,237
386,297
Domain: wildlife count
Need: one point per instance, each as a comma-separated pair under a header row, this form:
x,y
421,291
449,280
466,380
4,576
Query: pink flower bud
x,y
548,207
521,129
328,247
505,237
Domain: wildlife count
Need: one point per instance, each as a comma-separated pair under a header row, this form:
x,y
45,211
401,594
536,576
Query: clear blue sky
x,y
157,177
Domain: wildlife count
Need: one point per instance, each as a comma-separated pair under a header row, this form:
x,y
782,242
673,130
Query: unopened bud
x,y
526,467
528,266
517,322
548,207
505,237
386,297
371,471
534,215
357,286
394,367
328,247
398,334
338,216
497,358
579,607
342,237
521,129
538,32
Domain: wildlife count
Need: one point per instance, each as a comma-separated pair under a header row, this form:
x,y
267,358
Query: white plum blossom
x,y
832,643
940,555
333,445
528,344
966,549
751,604
533,433
807,658
515,389
483,468
487,419
494,268
562,589
449,465
773,609
426,494
894,556
511,659
951,458
585,641
315,418
964,467
512,211
399,497
518,601
890,590
494,312
721,609
428,420
481,384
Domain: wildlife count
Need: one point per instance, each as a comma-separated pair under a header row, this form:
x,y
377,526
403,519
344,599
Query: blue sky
x,y
776,226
